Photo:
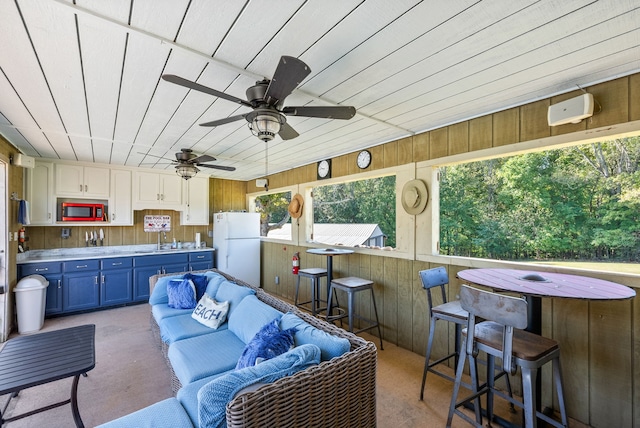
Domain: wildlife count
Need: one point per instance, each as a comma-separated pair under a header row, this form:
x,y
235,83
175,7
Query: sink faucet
x,y
159,240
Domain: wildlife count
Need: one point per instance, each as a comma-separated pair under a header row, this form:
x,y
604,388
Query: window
x,y
358,213
574,203
275,221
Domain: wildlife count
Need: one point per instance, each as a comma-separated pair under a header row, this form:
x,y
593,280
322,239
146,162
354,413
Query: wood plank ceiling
x,y
80,80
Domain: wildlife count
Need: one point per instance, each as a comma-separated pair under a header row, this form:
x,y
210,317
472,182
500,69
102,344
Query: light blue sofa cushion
x,y
214,396
331,346
206,355
250,316
183,327
232,293
166,413
215,279
159,294
188,395
162,311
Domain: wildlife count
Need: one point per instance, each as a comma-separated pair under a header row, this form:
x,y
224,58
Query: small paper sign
x,y
157,223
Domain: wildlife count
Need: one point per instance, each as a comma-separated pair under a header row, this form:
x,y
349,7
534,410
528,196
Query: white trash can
x,y
31,295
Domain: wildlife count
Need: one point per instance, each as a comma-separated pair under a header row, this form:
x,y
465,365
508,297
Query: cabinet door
x,y
69,180
40,194
200,265
53,303
80,291
120,208
196,206
96,182
81,181
116,287
146,192
171,191
141,283
175,268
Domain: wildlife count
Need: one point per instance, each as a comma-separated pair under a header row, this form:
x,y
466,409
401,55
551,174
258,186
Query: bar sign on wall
x,y
157,223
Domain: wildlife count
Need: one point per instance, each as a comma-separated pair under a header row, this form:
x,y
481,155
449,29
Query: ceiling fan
x,y
266,98
187,162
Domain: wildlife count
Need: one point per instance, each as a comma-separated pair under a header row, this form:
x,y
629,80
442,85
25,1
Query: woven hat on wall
x,y
414,197
295,206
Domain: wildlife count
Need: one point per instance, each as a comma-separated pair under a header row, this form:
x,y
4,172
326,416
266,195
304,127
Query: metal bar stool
x,y
352,285
314,274
501,336
450,311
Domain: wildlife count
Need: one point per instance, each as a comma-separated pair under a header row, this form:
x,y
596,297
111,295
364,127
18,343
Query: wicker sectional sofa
x,y
336,389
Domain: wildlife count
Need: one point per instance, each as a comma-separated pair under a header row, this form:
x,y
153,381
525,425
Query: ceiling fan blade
x,y
287,132
222,167
202,158
329,112
201,88
289,73
224,120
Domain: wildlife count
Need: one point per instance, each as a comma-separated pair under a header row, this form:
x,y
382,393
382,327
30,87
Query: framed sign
x,y
157,223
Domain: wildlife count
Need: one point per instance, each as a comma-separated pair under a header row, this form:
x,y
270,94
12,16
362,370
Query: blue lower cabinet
x,y
116,281
201,260
80,291
141,282
53,304
116,287
52,271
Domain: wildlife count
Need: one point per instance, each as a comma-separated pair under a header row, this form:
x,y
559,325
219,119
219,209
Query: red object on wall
x,y
296,263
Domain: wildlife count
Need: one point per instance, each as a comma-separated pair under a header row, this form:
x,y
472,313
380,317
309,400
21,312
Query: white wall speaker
x,y
261,182
23,160
571,111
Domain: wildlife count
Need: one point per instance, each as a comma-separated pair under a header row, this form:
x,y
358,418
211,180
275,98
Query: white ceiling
x,y
81,80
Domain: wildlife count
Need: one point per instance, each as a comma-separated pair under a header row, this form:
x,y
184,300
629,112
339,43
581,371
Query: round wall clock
x,y
324,169
364,159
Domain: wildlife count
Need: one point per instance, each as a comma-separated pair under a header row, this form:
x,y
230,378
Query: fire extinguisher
x,y
21,233
296,263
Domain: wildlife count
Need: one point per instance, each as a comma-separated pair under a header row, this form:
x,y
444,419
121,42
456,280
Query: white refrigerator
x,y
236,238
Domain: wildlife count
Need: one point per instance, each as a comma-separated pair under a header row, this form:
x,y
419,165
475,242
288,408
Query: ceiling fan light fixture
x,y
265,126
186,171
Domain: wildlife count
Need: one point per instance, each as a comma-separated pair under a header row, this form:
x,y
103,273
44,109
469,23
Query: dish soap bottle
x,y
174,245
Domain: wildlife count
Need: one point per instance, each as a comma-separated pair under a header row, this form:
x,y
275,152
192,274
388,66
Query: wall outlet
x,y
277,280
15,236
10,236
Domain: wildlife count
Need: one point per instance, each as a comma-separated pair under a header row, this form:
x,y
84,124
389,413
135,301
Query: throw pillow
x,y
210,312
215,395
181,294
269,342
330,346
200,281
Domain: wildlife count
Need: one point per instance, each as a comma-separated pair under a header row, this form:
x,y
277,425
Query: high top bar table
x,y
36,359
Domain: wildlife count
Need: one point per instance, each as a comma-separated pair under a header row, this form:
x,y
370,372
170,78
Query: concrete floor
x,y
131,373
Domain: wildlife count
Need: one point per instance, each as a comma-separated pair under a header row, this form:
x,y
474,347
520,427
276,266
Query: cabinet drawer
x,y
117,263
39,268
201,256
81,265
161,260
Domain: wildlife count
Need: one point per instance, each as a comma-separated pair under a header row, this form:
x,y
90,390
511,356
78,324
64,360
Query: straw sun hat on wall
x,y
295,206
414,197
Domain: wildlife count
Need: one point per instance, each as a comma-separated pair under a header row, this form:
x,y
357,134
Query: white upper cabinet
x,y
196,204
82,181
120,206
39,193
157,191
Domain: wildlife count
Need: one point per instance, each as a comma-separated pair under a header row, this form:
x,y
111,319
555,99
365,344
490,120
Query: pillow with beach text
x,y
210,312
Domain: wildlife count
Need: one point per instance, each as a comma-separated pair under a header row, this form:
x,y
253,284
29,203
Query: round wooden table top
x,y
547,284
329,251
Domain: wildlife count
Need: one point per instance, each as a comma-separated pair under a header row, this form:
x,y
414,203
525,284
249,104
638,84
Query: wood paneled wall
x,y
600,340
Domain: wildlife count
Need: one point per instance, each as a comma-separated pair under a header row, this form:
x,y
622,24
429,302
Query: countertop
x,y
85,253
